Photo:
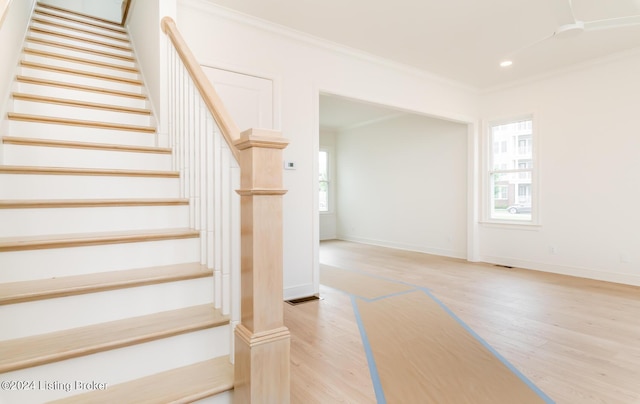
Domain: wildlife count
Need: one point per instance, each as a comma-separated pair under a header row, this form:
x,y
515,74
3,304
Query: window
x,y
323,165
501,192
524,144
511,171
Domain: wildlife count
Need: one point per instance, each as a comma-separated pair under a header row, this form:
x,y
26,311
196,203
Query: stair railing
x,y
241,232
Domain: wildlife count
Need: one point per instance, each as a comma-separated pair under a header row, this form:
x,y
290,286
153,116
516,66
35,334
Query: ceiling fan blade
x,y
564,12
512,55
612,23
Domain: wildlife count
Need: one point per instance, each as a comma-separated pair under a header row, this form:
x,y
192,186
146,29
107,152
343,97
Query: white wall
x,y
149,42
303,68
105,9
12,33
589,159
402,183
328,224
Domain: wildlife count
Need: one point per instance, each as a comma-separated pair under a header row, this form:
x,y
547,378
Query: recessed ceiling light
x,y
506,63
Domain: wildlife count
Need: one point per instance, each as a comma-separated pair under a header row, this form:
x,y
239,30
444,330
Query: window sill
x,y
511,225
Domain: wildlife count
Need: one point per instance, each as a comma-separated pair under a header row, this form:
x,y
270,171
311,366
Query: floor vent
x,y
301,300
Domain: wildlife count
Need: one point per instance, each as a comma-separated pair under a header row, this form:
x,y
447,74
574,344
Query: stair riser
x,y
38,186
77,25
86,114
79,54
80,95
38,264
32,222
56,14
81,310
42,156
79,42
80,80
94,35
52,61
79,134
121,365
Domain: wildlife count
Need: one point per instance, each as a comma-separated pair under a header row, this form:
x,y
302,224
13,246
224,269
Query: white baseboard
x,y
407,247
589,273
299,291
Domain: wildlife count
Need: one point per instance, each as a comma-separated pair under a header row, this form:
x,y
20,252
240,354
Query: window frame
x,y
489,172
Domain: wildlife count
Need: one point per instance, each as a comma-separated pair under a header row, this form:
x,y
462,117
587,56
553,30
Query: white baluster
x,y
180,127
217,233
211,132
226,227
202,185
234,289
184,89
209,176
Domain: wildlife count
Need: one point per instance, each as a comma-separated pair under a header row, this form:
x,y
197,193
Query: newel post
x,y
261,339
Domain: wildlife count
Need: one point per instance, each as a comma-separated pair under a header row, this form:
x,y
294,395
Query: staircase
x,y
102,294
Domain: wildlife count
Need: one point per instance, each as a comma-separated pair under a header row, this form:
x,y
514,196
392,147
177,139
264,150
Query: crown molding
x,y
208,6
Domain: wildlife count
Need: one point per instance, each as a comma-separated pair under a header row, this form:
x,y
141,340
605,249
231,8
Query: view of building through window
x,y
323,164
511,169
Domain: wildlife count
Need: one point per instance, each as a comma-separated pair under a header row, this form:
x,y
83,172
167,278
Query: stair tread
x,y
185,384
86,171
84,145
79,38
46,42
80,87
24,291
96,238
84,31
76,72
60,345
110,25
78,122
75,59
82,203
80,104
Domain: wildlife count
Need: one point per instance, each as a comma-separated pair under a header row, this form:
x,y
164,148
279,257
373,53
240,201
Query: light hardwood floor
x,y
578,340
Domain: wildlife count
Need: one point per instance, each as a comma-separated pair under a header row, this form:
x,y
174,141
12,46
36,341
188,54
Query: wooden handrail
x,y
126,4
227,126
261,340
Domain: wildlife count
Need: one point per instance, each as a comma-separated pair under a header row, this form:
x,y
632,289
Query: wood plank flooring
x,y
328,363
578,340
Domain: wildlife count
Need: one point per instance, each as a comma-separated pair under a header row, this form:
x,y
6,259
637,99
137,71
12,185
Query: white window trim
x,y
487,150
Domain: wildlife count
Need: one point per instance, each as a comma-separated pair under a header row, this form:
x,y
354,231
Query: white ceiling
x,y
463,40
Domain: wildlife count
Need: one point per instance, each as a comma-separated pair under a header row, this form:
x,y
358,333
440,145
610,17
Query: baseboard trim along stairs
x,y
102,280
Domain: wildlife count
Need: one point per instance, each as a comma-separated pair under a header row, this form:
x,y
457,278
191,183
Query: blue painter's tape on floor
x,y
522,377
373,369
